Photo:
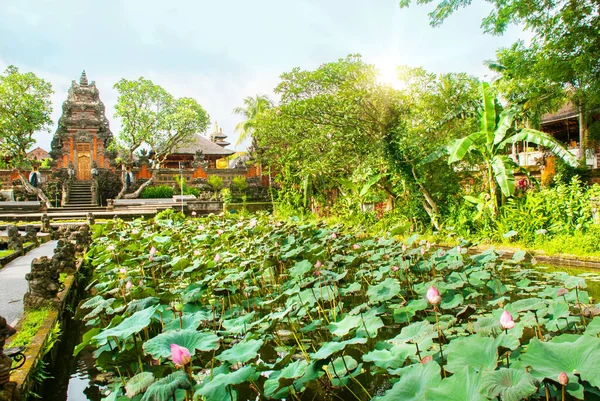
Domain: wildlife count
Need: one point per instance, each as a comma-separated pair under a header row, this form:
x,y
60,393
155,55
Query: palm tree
x,y
253,107
490,143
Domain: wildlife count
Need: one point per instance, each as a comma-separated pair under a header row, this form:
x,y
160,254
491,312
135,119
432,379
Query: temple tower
x,y
83,134
218,136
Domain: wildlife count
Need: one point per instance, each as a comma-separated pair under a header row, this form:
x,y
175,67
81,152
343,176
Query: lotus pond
x,y
222,308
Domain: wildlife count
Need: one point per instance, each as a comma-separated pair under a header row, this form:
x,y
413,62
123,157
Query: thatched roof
x,y
567,111
206,146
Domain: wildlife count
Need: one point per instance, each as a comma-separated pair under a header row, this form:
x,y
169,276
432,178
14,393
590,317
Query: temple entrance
x,y
84,165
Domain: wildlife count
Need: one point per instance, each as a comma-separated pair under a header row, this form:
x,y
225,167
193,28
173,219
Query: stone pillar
x,y
14,239
43,284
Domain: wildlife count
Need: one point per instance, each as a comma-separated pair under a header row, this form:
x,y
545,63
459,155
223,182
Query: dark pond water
x,y
71,379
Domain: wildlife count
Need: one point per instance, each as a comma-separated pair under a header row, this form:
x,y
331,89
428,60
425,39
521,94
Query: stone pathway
x,y
13,285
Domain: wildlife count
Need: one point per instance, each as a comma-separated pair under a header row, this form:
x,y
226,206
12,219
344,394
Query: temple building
x,y
83,132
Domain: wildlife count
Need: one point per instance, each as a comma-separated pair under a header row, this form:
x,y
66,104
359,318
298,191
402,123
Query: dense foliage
x,y
244,309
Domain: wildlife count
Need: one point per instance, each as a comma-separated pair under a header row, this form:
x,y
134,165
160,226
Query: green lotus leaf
x,y
188,321
519,256
160,346
593,328
452,302
344,326
386,290
464,385
487,326
161,239
328,349
163,389
138,384
528,304
496,287
217,388
392,358
476,351
565,353
300,269
241,352
240,324
342,369
129,326
406,313
571,282
370,323
140,304
277,385
414,383
415,333
352,288
508,384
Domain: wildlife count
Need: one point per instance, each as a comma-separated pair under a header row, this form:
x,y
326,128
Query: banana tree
x,y
490,144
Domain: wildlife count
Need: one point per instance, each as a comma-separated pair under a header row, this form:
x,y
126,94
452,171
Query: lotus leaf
x,y
163,389
300,269
344,326
566,353
241,352
138,384
414,383
277,384
406,313
386,290
129,326
464,385
240,324
593,328
393,358
509,384
160,346
370,323
479,352
415,333
328,349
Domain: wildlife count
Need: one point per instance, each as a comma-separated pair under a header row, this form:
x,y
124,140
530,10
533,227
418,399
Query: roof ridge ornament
x,y
83,80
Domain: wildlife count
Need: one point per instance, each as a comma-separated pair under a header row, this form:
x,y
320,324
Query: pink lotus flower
x,y
355,246
135,232
433,296
563,379
129,285
426,359
194,213
318,264
123,270
110,248
317,273
180,355
219,232
395,268
217,257
276,244
333,235
278,112
201,228
196,253
506,320
153,251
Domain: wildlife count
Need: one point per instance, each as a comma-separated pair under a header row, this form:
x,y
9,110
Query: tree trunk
x,y
33,190
123,184
136,194
428,203
582,138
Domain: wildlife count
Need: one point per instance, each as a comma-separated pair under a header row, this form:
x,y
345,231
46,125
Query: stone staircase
x,y
80,197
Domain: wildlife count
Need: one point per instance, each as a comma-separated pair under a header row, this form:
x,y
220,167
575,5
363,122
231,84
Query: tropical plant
x,y
253,106
490,144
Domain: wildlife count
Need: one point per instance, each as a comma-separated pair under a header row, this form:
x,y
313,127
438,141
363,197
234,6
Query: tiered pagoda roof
x,y
218,136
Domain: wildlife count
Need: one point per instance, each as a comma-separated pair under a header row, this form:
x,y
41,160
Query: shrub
x,y
239,184
215,182
160,191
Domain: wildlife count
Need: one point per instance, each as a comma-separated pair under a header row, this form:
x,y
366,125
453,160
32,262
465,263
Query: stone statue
x,y
63,259
5,362
31,234
91,219
14,239
43,283
45,228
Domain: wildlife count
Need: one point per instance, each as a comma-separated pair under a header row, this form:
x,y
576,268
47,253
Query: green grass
x,y
6,253
31,323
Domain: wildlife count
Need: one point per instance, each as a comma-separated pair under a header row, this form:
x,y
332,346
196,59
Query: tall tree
x,y
253,106
25,108
152,117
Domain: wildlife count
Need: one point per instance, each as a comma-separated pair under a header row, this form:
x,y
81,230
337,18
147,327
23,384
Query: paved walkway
x,y
13,285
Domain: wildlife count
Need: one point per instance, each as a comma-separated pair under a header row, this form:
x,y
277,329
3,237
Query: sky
x,y
220,52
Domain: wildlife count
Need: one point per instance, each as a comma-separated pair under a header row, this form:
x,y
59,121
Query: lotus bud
x,y
194,213
252,223
433,296
153,251
180,355
129,285
403,247
217,257
426,359
196,253
278,112
355,246
276,244
318,264
395,268
123,270
135,232
333,235
219,232
563,379
178,306
110,248
506,320
201,227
